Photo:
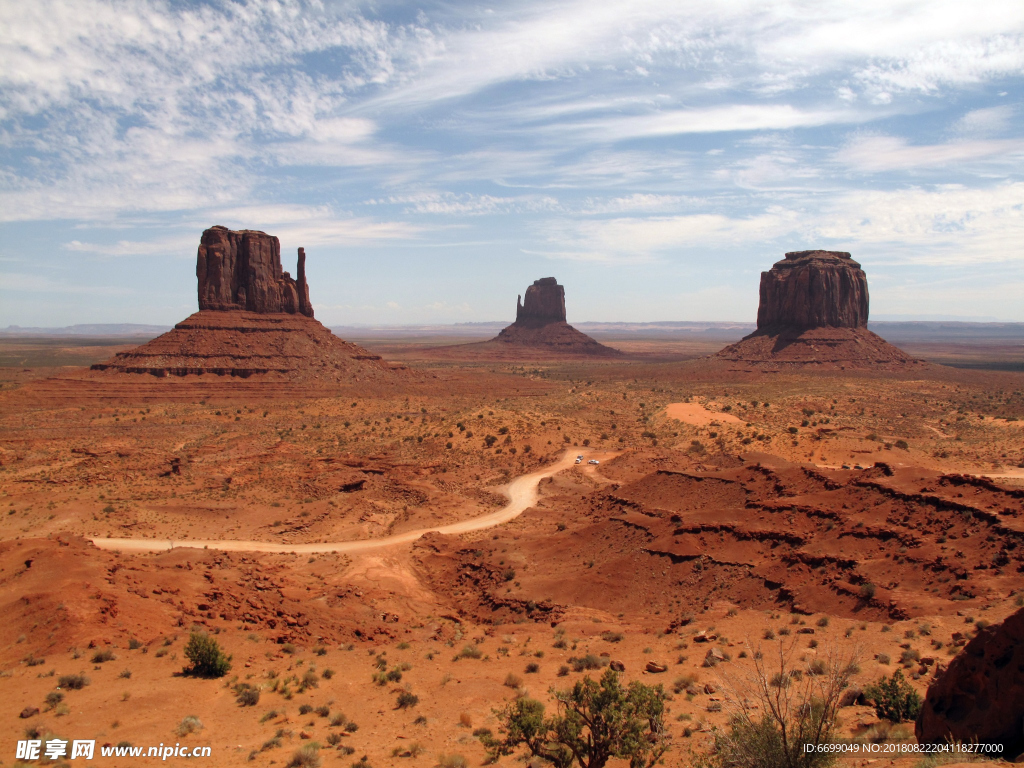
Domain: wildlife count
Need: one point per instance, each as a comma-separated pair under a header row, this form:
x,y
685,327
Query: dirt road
x,y
522,494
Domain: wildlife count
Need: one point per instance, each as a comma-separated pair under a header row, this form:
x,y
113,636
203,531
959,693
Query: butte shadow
x,y
254,319
813,311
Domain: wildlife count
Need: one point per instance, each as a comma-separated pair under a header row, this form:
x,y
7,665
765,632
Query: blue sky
x,y
436,158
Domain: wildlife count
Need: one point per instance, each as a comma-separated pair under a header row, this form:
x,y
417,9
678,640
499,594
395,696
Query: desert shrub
x,y
248,697
208,660
683,682
189,724
351,727
305,709
305,757
512,680
407,699
451,761
73,682
338,720
590,661
769,634
322,711
134,644
595,721
469,651
883,658
867,591
104,655
612,637
125,674
327,674
532,668
910,657
777,713
563,671
894,699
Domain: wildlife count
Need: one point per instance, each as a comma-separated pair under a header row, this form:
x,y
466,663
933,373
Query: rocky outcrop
x,y
545,303
980,697
242,271
814,289
540,324
813,310
254,320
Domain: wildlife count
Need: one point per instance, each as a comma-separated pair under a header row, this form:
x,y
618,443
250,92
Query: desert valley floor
x,y
875,513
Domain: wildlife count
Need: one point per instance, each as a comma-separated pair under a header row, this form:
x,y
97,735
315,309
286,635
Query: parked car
x,y
593,461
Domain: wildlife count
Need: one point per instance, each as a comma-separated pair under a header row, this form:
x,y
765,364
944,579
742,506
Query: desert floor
x,y
439,529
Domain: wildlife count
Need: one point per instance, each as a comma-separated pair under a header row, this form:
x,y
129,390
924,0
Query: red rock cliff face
x,y
242,270
980,698
814,289
545,303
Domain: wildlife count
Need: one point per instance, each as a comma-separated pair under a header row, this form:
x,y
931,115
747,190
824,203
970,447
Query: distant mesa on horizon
x,y
253,319
813,310
540,324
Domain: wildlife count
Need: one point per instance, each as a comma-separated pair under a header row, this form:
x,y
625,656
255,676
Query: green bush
x,y
894,698
779,714
596,721
208,660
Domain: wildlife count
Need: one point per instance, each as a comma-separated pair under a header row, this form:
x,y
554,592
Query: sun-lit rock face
x,y
242,270
814,289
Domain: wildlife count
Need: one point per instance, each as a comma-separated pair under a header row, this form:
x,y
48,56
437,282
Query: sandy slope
x,y
521,492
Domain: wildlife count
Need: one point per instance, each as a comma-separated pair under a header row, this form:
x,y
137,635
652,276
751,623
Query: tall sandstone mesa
x,y
813,310
254,319
540,324
242,270
545,303
814,289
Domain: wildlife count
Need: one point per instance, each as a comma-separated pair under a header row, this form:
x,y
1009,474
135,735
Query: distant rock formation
x,y
242,270
540,324
814,289
980,697
545,303
813,310
253,319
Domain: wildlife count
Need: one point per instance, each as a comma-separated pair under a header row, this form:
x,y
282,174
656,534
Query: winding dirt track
x,y
522,494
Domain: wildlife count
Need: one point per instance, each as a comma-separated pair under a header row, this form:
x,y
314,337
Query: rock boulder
x,y
980,697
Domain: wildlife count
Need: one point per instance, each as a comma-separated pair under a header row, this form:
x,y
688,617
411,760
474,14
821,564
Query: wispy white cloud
x,y
886,153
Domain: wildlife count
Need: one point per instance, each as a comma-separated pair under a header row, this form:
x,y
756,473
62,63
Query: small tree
x,y
775,713
595,722
894,698
208,660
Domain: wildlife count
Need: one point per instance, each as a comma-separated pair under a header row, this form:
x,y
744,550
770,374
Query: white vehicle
x,y
580,457
578,460
593,461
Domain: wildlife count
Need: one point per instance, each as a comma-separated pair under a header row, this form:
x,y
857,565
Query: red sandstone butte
x,y
242,270
813,310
